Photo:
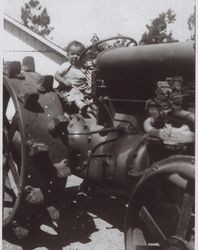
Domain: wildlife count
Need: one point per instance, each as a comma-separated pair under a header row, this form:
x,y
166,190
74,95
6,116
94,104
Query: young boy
x,y
72,81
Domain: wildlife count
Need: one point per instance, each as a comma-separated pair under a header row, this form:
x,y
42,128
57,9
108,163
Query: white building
x,y
19,41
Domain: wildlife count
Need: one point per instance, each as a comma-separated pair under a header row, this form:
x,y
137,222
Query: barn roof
x,y
43,40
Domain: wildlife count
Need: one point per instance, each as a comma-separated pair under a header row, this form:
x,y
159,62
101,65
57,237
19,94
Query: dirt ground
x,y
88,223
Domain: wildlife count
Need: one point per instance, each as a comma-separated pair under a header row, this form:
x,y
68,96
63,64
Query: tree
x,y
191,25
35,17
157,31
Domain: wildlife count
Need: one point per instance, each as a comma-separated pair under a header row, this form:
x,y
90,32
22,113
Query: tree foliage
x,y
35,17
191,25
157,30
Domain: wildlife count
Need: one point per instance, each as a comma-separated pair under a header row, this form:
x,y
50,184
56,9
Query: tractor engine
x,y
106,154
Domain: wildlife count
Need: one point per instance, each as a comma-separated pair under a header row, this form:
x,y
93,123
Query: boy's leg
x,y
77,97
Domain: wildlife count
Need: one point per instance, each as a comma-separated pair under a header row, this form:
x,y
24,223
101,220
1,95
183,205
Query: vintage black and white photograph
x,y
98,125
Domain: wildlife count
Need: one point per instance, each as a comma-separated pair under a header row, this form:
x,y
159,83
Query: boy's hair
x,y
74,43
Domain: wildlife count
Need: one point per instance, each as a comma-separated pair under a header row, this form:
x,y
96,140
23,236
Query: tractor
x,y
138,140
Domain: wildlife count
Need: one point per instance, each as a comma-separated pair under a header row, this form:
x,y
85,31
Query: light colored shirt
x,y
73,75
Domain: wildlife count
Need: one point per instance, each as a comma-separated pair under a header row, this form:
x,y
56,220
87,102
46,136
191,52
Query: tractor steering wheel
x,y
87,58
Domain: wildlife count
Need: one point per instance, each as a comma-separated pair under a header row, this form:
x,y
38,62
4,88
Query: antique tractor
x,y
138,141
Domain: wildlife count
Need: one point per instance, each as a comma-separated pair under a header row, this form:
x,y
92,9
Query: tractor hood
x,y
168,59
133,72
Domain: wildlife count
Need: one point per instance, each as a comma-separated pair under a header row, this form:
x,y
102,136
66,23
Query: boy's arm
x,y
59,75
60,79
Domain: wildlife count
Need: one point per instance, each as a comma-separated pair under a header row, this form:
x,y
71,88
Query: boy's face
x,y
74,55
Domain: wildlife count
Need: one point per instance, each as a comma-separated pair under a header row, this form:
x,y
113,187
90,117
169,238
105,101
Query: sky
x,y
80,19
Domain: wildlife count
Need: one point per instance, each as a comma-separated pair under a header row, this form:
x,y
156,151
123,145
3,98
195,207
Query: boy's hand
x,y
67,83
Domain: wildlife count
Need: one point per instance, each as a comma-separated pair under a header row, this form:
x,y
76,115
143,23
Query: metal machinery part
x,y
30,150
168,59
43,145
102,155
32,147
38,136
128,77
132,73
119,154
161,211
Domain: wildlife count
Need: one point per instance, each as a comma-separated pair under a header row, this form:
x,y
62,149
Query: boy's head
x,y
74,50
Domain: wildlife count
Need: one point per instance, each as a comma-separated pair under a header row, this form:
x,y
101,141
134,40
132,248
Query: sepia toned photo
x,y
98,125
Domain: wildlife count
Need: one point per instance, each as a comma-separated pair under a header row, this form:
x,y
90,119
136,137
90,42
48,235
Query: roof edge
x,y
35,35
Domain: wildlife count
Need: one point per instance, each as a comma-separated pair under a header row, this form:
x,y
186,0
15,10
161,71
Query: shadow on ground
x,y
76,223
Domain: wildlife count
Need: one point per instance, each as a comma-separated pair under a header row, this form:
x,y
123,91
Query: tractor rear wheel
x,y
35,149
14,155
